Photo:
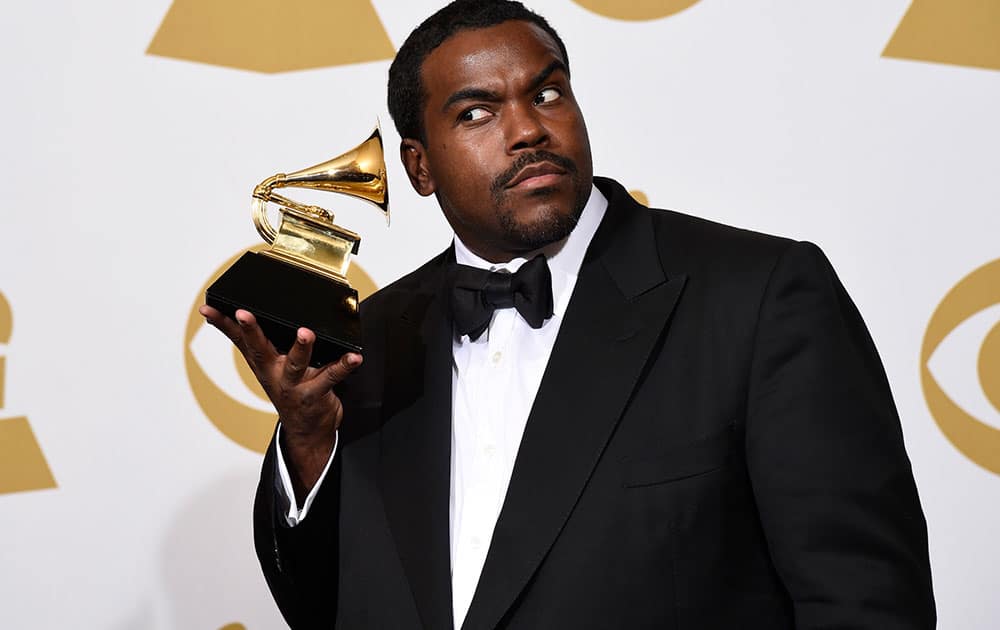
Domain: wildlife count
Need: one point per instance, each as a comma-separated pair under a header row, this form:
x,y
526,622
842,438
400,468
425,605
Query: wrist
x,y
308,442
306,456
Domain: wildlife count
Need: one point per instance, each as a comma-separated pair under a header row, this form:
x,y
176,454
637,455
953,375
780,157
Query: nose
x,y
525,129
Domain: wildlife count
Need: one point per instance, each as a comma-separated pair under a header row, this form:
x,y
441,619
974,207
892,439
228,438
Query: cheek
x,y
468,168
573,132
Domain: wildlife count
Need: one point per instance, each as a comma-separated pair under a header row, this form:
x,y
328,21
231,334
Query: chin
x,y
549,224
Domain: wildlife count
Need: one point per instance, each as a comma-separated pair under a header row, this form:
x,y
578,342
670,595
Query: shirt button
x,y
476,542
489,450
497,356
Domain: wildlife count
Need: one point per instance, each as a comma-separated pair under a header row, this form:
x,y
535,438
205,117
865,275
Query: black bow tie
x,y
476,293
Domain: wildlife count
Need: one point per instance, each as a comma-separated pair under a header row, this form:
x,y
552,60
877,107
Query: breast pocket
x,y
682,461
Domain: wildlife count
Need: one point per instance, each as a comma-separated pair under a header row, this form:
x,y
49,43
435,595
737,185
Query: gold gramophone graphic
x,y
301,279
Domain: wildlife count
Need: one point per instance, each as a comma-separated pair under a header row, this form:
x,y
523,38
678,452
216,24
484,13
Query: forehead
x,y
505,53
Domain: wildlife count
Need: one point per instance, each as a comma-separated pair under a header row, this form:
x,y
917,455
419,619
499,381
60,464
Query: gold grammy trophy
x,y
301,279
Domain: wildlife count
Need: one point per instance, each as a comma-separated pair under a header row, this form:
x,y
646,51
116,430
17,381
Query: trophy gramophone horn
x,y
358,173
307,235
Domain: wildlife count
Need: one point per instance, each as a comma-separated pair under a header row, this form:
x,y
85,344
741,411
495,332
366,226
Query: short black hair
x,y
406,92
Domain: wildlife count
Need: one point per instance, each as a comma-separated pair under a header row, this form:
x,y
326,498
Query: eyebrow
x,y
544,75
480,94
470,94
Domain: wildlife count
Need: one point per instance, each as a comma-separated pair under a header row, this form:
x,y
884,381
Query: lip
x,y
540,173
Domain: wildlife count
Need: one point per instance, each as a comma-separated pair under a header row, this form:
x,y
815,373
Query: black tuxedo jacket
x,y
713,445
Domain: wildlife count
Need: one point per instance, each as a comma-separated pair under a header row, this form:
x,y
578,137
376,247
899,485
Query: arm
x,y
300,563
826,458
309,409
293,512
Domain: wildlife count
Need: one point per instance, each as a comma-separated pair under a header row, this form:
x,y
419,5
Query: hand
x,y
303,396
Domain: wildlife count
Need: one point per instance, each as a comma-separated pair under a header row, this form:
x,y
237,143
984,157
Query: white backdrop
x,y
128,185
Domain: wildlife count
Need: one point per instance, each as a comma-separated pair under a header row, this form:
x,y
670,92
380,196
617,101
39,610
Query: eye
x,y
547,96
474,113
960,366
955,367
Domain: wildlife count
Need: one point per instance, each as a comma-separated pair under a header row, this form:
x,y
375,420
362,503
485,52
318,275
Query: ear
x,y
414,157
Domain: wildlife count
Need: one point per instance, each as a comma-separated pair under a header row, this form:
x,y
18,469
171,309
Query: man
x,y
693,430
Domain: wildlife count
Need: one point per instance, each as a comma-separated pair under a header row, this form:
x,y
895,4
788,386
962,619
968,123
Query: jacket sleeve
x,y
825,453
300,563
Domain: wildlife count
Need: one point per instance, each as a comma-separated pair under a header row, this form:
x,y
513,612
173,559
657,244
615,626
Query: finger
x,y
209,312
298,357
228,326
331,374
258,349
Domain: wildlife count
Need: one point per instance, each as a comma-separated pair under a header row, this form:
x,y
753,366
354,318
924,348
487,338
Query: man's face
x,y
506,149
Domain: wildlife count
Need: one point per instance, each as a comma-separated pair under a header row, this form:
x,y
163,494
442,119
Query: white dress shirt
x,y
494,382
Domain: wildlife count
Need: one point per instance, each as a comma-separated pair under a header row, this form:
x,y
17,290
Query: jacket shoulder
x,y
396,295
698,243
690,244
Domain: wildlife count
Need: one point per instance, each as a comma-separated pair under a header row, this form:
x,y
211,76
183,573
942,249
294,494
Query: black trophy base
x,y
284,298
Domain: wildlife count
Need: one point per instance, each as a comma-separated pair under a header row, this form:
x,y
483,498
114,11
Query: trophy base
x,y
284,298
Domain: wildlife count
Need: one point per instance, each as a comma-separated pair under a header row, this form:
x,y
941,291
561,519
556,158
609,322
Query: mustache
x,y
503,179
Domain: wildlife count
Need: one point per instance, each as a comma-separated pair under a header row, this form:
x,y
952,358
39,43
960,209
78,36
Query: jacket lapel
x,y
619,309
415,460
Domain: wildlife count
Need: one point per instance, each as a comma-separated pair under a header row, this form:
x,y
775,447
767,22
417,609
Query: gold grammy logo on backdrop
x,y
640,196
223,385
636,10
22,464
267,36
966,322
959,32
273,37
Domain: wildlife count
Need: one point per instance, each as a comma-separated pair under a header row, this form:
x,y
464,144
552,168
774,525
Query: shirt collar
x,y
565,257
